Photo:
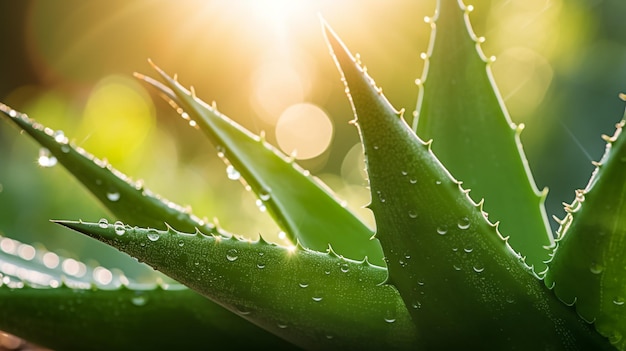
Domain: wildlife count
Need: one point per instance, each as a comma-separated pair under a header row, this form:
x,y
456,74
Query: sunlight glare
x,y
304,128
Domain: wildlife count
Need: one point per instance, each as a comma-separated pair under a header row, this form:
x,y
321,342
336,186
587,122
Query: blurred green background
x,y
560,66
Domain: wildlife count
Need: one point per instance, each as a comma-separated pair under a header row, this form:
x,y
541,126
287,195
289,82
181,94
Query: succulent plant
x,y
462,254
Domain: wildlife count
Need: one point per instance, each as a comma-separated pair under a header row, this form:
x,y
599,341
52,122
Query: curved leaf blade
x,y
312,299
587,269
41,302
302,207
474,135
125,319
442,253
125,199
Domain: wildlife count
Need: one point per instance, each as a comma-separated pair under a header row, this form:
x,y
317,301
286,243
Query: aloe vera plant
x,y
462,255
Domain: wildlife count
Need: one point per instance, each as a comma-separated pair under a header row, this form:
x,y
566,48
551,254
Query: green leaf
x,y
67,318
312,299
442,254
41,302
304,208
588,265
461,110
128,200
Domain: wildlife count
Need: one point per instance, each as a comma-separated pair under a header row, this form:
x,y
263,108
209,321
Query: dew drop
x,y
65,149
153,235
281,325
416,305
181,243
59,137
113,196
442,230
456,268
317,298
413,180
139,300
232,255
119,228
390,317
345,268
478,269
618,301
232,173
303,284
596,268
264,195
404,173
438,182
468,249
260,265
510,299
46,159
412,214
220,151
103,223
464,223
259,203
13,113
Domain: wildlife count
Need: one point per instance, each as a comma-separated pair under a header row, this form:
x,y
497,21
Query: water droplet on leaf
x,y
153,235
113,196
464,223
442,230
59,137
103,223
260,205
46,159
596,268
119,228
139,300
232,255
232,173
264,195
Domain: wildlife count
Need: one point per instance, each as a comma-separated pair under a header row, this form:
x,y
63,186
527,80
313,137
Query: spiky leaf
x,y
127,200
306,210
452,268
588,265
312,299
461,110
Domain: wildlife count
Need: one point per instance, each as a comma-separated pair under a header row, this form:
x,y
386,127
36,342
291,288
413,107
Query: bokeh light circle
x,y
304,128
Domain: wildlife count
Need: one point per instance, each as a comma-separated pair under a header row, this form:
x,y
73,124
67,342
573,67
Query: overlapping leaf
x,y
462,112
41,302
312,299
306,211
452,268
588,266
127,200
